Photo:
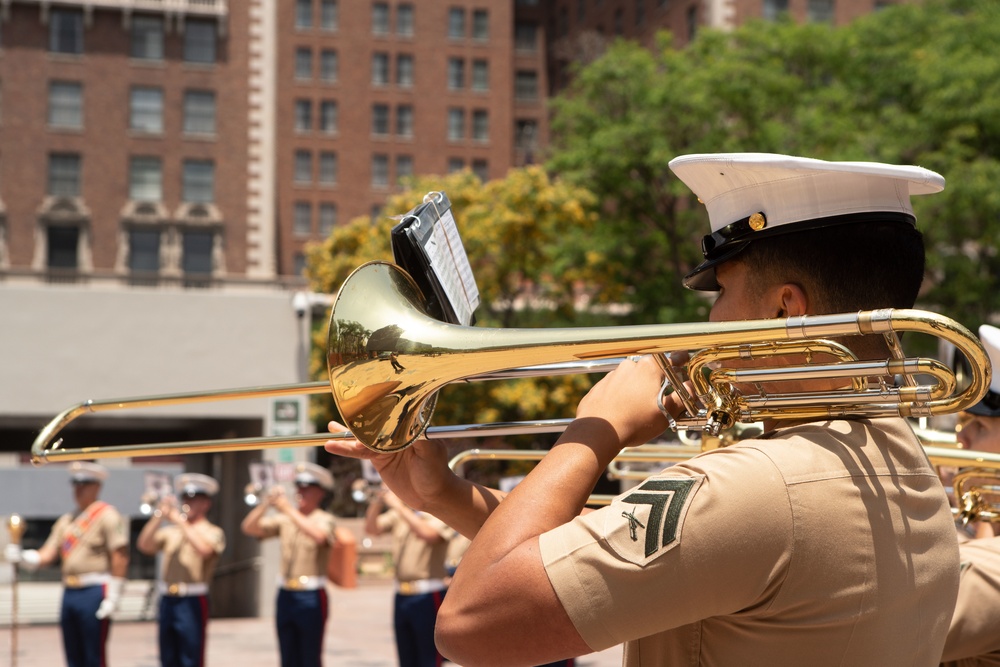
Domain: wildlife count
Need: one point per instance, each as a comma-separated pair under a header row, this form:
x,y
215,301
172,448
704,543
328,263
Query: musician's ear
x,y
791,300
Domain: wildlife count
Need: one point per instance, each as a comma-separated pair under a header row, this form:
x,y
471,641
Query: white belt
x,y
84,580
420,586
302,583
181,590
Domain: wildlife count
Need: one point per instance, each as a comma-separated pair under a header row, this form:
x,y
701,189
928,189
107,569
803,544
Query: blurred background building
x,y
163,164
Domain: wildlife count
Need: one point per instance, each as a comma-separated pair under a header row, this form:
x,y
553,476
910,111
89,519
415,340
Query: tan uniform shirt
x,y
94,544
300,555
182,564
974,637
822,543
416,559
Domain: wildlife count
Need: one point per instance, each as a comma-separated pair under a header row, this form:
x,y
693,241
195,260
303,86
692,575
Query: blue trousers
x,y
414,617
301,621
84,636
183,621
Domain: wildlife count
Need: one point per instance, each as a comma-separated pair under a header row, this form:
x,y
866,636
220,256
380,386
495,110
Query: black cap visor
x,y
988,407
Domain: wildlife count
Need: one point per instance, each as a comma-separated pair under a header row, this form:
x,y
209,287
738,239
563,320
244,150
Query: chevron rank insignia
x,y
646,521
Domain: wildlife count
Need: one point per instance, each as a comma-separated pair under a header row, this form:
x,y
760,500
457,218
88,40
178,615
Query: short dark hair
x,y
844,268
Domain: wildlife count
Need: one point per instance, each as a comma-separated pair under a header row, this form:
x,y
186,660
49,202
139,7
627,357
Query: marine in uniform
x,y
419,547
191,546
92,545
306,532
825,542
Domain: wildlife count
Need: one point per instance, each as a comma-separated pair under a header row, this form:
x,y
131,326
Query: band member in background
x,y
92,544
307,533
980,424
191,547
419,545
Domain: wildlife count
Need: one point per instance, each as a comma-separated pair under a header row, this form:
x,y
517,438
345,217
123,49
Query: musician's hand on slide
x,y
418,474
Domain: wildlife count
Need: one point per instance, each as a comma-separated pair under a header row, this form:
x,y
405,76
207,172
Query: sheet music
x,y
448,260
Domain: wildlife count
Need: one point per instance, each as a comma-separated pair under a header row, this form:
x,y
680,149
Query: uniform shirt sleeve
x,y
269,526
115,530
440,527
217,537
707,537
55,538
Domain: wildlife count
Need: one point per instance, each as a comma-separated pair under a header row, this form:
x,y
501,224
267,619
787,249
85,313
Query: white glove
x,y
28,559
111,597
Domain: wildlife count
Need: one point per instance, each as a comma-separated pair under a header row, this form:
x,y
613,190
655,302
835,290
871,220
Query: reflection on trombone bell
x,y
262,478
158,487
379,324
978,494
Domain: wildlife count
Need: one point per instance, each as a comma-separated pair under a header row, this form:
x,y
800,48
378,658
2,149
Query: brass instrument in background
x,y
387,359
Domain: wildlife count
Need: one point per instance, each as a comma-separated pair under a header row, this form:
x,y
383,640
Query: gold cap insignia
x,y
758,222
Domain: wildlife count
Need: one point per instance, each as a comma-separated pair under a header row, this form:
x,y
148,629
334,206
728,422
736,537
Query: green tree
x,y
912,84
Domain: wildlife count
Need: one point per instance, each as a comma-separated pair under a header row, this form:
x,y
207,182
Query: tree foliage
x,y
911,84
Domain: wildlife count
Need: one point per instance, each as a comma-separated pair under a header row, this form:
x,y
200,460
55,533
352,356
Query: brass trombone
x,y
387,359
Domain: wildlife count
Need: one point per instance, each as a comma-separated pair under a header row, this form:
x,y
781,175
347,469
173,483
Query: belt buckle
x,y
407,588
72,581
294,584
174,589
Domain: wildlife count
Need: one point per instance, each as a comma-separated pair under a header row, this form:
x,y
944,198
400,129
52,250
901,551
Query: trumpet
x,y
387,359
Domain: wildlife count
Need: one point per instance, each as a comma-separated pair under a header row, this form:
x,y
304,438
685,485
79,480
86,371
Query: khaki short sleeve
x,y
269,526
704,538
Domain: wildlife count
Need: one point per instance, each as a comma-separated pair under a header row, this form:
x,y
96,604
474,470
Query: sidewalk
x,y
359,634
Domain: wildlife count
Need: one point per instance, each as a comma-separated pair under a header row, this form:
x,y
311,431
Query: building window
x,y
481,125
199,112
144,250
774,8
327,168
525,36
526,85
300,264
456,73
581,10
692,22
640,13
380,170
198,181
481,168
820,11
455,164
404,120
404,167
480,75
302,219
64,175
147,37
303,166
303,115
66,31
303,63
63,246
456,23
380,119
327,218
329,15
619,22
329,65
404,20
526,135
303,14
380,18
480,25
146,110
328,117
456,124
196,258
199,41
380,69
145,176
66,104
404,70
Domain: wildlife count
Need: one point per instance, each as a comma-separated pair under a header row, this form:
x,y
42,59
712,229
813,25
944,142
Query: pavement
x,y
359,634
